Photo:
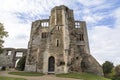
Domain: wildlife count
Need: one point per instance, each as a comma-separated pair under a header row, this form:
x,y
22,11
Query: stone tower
x,y
60,45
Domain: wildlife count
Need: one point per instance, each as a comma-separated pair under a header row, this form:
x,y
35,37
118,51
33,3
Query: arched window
x,y
16,62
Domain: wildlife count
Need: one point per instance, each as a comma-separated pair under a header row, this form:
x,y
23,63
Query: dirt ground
x,y
45,77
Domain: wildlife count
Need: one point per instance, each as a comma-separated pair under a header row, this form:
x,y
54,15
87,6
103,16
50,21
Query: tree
x,y
107,67
117,70
3,34
21,63
117,73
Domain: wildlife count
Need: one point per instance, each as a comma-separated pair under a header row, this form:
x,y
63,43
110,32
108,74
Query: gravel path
x,y
45,77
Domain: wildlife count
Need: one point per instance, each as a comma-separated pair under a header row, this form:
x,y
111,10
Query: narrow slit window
x,y
58,27
57,43
81,37
47,24
42,24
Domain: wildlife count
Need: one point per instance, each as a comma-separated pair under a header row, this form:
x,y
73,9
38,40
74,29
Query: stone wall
x,y
8,58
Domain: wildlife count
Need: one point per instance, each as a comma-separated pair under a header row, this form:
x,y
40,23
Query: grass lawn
x,y
85,76
10,78
26,73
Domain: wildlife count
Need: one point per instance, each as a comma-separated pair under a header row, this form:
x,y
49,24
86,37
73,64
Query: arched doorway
x,y
51,64
16,62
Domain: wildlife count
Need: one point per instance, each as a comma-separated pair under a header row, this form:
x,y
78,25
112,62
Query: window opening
x,y
19,54
77,25
44,35
57,44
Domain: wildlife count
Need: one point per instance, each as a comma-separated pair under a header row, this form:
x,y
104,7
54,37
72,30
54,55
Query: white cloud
x,y
16,30
92,18
116,15
91,2
105,41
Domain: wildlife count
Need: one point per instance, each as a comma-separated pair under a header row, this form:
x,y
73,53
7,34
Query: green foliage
x,y
84,76
10,78
3,34
110,75
26,73
116,75
21,63
116,78
117,70
107,67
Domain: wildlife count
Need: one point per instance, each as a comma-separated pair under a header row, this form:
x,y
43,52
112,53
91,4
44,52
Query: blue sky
x,y
102,18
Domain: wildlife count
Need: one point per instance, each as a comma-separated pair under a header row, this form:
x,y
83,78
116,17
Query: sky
x,y
102,18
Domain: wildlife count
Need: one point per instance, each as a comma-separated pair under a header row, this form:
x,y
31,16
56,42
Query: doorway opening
x,y
51,64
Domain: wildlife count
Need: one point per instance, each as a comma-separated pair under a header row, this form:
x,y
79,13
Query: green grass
x,y
10,78
26,73
84,76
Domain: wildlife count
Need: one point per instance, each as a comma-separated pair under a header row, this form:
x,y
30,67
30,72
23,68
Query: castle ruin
x,y
60,45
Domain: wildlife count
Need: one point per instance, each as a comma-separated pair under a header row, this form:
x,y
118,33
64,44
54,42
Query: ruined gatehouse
x,y
60,45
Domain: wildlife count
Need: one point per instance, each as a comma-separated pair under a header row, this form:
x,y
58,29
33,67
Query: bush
x,y
116,78
107,67
117,70
21,64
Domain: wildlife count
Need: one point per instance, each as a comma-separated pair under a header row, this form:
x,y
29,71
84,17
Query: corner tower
x,y
60,45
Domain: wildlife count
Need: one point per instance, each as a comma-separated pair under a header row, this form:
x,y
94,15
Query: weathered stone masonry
x,y
10,56
60,45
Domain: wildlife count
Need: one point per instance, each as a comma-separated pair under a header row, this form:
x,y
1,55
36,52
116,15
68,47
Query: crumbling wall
x,y
9,60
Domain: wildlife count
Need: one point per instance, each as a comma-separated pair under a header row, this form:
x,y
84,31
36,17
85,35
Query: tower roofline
x,y
60,7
